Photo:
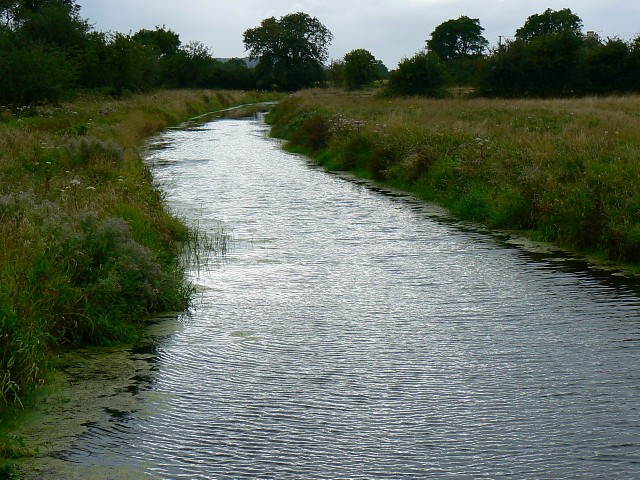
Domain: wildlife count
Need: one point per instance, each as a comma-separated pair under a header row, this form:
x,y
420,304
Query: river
x,y
356,333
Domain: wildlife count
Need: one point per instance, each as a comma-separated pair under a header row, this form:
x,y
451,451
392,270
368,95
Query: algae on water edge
x,y
88,387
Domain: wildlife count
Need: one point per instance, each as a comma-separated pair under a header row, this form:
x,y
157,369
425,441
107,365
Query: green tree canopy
x,y
32,73
40,47
423,74
360,68
550,22
336,72
45,21
608,65
458,38
290,51
545,66
166,41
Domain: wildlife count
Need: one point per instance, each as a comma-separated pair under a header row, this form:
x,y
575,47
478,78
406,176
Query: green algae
x,y
87,387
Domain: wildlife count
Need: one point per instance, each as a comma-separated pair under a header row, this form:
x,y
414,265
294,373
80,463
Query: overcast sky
x,y
389,29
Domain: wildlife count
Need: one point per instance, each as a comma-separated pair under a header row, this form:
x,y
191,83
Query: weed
x,y
7,471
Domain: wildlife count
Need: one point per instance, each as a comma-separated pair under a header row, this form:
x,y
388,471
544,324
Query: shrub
x,y
32,73
311,133
84,279
423,74
360,68
546,66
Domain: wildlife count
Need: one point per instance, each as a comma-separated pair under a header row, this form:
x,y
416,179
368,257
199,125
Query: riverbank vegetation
x,y
87,248
564,171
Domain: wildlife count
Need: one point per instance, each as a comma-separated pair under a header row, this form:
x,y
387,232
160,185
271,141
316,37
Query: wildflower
x,y
75,182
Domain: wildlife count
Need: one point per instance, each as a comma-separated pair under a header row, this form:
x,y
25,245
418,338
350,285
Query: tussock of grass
x,y
565,170
87,249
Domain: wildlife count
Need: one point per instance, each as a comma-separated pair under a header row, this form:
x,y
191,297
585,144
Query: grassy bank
x,y
564,171
87,249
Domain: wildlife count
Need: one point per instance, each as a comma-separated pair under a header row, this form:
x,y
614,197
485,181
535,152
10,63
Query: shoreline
x,y
89,250
562,172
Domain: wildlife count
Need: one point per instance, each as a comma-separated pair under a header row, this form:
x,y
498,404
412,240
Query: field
x,y
564,171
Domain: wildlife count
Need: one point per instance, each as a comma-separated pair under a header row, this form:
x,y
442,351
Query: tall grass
x,y
565,171
202,247
87,248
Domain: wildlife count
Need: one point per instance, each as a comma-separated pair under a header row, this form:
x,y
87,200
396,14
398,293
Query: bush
x,y
312,133
32,74
608,66
423,74
360,69
546,66
82,280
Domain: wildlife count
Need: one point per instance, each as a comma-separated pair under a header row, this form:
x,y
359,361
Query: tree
x,y
608,65
31,73
201,64
549,23
383,71
422,74
234,74
336,72
548,58
290,51
165,41
546,66
53,22
39,48
93,71
633,65
125,64
458,38
360,68
461,45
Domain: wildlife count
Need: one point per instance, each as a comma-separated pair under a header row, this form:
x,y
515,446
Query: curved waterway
x,y
353,333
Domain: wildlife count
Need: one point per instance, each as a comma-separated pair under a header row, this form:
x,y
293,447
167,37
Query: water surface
x,y
350,333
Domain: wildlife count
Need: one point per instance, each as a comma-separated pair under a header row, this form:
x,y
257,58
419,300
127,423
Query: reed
x,y
202,247
565,171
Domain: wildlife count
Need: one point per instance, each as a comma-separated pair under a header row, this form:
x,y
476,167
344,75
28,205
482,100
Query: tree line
x,y
549,56
48,51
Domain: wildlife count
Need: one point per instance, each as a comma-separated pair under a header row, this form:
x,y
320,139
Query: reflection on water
x,y
351,334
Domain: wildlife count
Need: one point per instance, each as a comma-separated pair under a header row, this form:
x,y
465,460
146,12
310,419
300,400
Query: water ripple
x,y
350,334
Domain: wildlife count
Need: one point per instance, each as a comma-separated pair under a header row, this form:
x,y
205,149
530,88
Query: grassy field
x,y
87,248
564,171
